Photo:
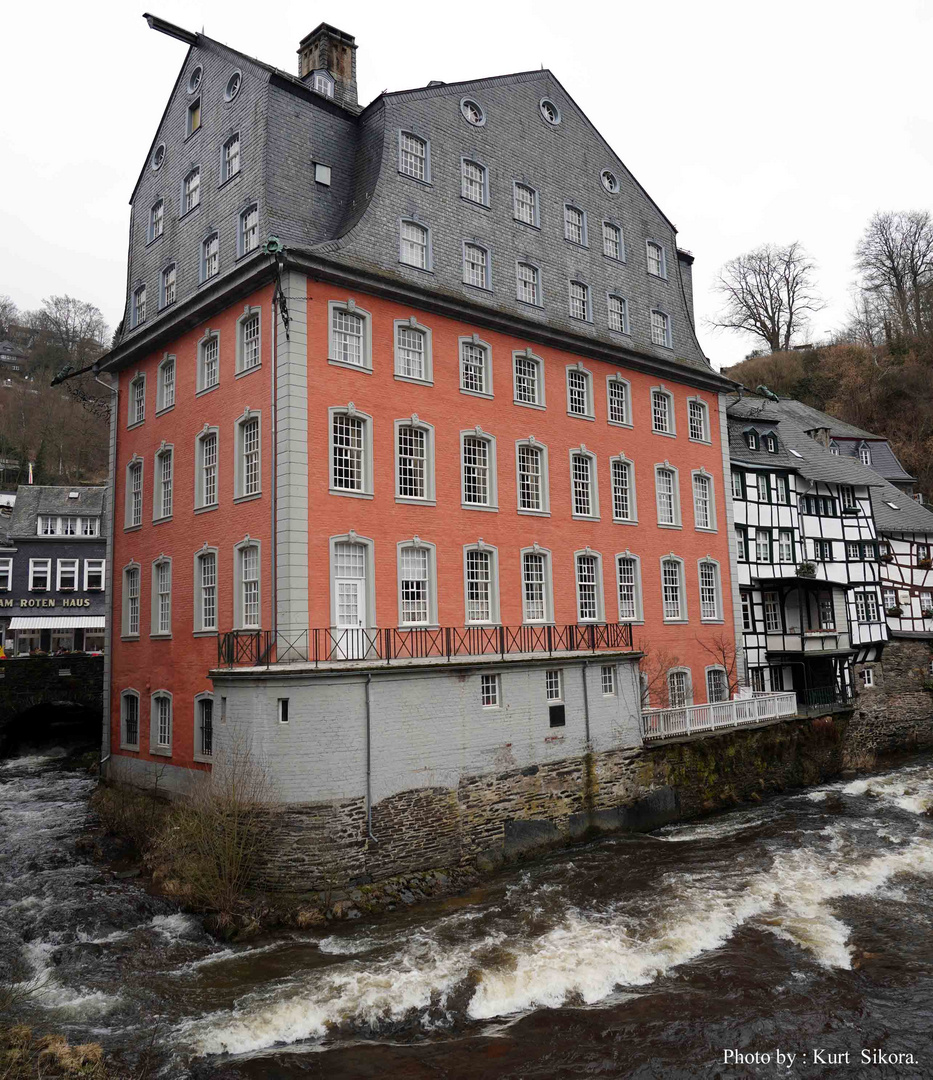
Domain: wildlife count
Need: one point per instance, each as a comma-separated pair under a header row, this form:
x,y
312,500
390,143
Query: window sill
x,y
412,379
479,288
657,277
204,759
415,180
204,633
533,513
527,224
161,520
160,637
207,280
585,517
483,509
419,625
675,622
229,180
207,389
188,213
129,637
420,269
132,747
668,525
248,371
155,239
163,411
620,259
701,442
351,494
472,202
206,509
580,416
411,501
705,528
666,434
721,622
161,751
620,423
577,244
350,367
624,521
529,404
247,498
477,393
132,528
135,424
529,304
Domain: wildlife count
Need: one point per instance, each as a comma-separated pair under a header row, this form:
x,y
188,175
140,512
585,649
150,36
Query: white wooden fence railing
x,y
694,719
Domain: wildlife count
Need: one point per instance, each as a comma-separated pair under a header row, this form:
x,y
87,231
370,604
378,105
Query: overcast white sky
x,y
747,122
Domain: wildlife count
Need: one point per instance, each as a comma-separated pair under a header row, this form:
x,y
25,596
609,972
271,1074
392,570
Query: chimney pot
x,y
328,49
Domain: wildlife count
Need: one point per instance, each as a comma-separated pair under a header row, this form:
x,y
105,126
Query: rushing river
x,y
802,923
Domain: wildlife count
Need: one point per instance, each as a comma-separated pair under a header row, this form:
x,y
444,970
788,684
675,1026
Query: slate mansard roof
x,y
33,500
896,512
348,231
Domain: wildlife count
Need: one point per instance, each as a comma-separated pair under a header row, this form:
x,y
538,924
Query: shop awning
x,y
57,622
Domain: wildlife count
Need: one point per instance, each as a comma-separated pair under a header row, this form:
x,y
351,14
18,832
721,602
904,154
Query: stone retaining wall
x,y
896,712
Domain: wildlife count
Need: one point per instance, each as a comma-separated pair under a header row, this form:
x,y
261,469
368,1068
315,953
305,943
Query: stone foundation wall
x,y
896,713
491,818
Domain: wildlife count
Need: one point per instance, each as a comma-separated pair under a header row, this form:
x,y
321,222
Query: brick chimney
x,y
329,49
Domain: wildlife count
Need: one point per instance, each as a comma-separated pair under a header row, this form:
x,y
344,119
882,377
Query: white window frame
x,y
156,215
717,585
135,416
637,596
188,189
490,691
593,515
671,430
492,487
125,695
600,599
867,677
662,258
705,436
129,507
239,596
369,574
201,628
544,510
547,585
366,478
483,200
607,223
209,257
226,172
426,179
629,466
429,498
584,240
427,377
587,300
590,406
240,494
538,301
682,589
667,343
430,550
94,566
202,386
70,567
168,364
784,548
350,307
139,304
540,401
677,523
493,553
607,680
535,223
244,230
158,488
126,630
618,298
428,267
706,676
618,380
702,474
486,348
249,313
553,685
170,268
156,746
155,609
487,265
688,687
199,485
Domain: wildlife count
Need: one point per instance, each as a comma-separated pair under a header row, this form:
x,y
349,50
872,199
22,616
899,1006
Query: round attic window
x,y
472,112
610,181
233,86
158,157
550,111
194,79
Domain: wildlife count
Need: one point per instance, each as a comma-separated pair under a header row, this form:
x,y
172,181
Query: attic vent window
x,y
323,84
795,452
549,111
610,181
158,157
194,80
322,174
233,86
893,506
472,113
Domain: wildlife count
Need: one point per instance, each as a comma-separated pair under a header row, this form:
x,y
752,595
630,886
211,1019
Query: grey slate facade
x,y
351,225
70,610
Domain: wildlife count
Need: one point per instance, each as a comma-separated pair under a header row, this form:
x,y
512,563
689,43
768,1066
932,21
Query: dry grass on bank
x,y
203,848
24,1055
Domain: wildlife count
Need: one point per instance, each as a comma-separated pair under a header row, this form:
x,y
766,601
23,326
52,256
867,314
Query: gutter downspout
x,y
274,470
108,583
369,761
586,705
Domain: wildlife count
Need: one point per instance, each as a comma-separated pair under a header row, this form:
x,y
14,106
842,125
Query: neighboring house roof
x,y
9,351
810,418
896,512
32,500
883,459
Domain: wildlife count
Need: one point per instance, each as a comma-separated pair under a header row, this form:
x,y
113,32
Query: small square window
x,y
554,685
867,676
607,678
489,687
322,174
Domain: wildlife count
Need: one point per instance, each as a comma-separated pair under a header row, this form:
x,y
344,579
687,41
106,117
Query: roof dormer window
x,y
751,439
323,84
834,448
771,443
864,453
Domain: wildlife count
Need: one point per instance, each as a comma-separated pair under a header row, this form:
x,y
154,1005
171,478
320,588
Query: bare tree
x,y
895,261
770,293
9,315
654,667
725,655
